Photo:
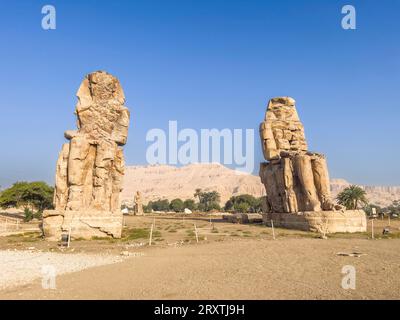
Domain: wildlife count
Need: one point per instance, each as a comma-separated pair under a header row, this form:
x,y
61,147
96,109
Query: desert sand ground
x,y
231,261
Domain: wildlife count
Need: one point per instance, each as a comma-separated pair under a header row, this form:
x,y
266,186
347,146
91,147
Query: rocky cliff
x,y
168,182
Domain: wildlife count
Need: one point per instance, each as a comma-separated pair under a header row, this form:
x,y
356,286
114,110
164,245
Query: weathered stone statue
x,y
90,167
295,179
138,206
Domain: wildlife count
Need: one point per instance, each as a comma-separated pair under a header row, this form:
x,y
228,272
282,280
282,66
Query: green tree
x,y
394,208
34,195
213,206
176,205
197,194
368,209
190,204
160,205
148,208
208,200
230,204
352,196
242,207
243,203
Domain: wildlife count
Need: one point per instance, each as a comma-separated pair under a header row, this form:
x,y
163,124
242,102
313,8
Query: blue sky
x,y
206,64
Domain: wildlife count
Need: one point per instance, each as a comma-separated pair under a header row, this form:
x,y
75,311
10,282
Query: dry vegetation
x,y
178,230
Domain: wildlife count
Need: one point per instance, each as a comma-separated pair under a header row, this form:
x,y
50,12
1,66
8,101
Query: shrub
x,y
160,205
190,204
243,203
148,208
242,207
176,205
208,200
368,209
28,215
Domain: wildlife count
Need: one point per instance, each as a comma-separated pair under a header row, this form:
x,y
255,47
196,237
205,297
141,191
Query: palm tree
x,y
351,196
197,194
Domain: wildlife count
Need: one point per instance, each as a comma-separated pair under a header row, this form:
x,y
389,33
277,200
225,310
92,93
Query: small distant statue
x,y
138,207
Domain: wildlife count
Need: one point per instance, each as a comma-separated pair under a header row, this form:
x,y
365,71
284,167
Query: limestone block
x,y
283,123
233,218
347,221
83,224
268,143
243,218
251,218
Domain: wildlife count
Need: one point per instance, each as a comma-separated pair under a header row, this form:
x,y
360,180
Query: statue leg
x,y
103,180
303,171
321,180
80,166
61,188
117,179
291,200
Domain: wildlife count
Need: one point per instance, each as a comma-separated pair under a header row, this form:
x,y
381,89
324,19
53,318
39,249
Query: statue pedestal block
x,y
83,224
350,221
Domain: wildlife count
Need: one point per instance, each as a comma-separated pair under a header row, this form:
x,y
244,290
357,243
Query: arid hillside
x,y
169,182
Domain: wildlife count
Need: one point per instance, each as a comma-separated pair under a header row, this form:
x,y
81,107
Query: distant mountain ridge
x,y
380,195
169,182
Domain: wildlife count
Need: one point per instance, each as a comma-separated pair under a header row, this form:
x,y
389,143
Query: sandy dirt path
x,y
236,269
23,267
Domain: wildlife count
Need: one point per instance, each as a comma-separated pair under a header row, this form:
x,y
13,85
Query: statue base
x,y
81,224
346,221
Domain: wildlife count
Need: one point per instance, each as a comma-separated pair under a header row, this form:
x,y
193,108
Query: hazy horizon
x,y
210,163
